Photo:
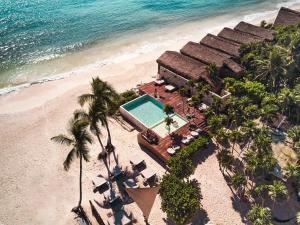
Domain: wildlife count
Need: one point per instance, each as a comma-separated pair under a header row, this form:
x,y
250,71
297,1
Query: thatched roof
x,y
203,54
255,30
233,66
238,36
208,55
287,17
221,44
187,67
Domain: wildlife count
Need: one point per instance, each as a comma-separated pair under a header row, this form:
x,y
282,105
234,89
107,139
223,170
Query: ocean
x,y
39,39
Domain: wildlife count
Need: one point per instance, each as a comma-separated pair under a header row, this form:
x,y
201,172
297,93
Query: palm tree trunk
x,y
99,139
109,145
80,183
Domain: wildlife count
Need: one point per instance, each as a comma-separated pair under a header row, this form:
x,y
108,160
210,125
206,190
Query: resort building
x,y
225,65
175,70
222,45
238,36
287,17
178,69
257,31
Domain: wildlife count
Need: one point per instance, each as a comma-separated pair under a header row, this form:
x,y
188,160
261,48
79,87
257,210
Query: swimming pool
x,y
147,112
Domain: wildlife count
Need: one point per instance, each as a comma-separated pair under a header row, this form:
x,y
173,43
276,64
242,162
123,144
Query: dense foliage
x,y
180,199
180,196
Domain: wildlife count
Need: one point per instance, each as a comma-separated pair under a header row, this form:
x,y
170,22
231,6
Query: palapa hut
x,y
221,45
287,17
238,36
177,69
208,55
261,32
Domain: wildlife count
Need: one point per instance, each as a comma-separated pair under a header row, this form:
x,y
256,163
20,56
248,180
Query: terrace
x,y
182,108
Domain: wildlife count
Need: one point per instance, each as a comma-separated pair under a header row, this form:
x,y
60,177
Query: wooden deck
x,y
181,107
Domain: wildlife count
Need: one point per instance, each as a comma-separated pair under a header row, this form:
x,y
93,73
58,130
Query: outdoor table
x,y
169,87
148,173
171,151
124,220
159,82
99,181
136,160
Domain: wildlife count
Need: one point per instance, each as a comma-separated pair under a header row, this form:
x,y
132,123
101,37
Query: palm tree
x,y
277,190
78,141
272,70
168,110
212,70
285,100
235,137
258,215
294,134
183,93
102,95
225,159
93,116
292,171
238,181
252,163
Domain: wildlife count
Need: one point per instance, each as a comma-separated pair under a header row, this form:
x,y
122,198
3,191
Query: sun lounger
x,y
185,141
203,106
148,174
119,219
136,160
111,196
171,151
116,171
194,133
198,130
190,137
99,182
159,82
170,88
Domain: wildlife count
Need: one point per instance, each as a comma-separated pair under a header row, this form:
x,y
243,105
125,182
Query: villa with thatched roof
x,y
261,32
287,17
209,55
238,36
221,45
177,69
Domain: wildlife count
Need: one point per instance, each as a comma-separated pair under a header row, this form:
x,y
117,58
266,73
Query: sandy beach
x,y
34,187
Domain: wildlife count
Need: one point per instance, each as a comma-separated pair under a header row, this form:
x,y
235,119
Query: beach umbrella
x,y
144,198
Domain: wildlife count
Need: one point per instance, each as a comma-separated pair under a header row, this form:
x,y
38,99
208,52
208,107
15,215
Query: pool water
x,y
146,109
162,129
150,112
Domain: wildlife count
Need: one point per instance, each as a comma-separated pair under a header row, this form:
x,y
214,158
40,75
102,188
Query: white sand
x,y
34,187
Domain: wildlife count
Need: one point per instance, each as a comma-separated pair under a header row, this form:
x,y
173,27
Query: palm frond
x,y
82,99
80,114
62,139
69,159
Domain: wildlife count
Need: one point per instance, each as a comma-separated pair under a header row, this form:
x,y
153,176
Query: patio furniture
x,y
99,182
170,88
119,219
136,160
203,106
190,137
148,174
199,130
185,141
159,82
171,151
130,183
111,196
194,133
116,172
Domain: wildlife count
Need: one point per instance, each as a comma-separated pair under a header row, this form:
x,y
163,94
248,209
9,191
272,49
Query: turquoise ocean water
x,y
35,31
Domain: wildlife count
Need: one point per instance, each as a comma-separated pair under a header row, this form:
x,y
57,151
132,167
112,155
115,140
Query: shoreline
x,y
35,186
130,47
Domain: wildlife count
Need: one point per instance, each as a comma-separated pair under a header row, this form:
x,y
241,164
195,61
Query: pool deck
x,y
182,108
